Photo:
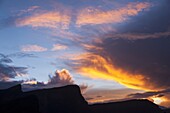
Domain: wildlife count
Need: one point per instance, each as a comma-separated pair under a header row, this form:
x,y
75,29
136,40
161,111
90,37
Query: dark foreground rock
x,y
167,111
67,99
131,106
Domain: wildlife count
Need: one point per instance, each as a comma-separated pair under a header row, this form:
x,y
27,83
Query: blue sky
x,y
100,43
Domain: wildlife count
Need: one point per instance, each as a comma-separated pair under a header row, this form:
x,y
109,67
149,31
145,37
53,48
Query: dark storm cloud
x,y
157,19
149,57
146,53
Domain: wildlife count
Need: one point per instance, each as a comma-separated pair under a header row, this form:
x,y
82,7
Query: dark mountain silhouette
x,y
131,106
13,100
167,111
67,99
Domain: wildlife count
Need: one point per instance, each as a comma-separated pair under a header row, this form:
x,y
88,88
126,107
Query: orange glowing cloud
x,y
96,16
97,67
51,19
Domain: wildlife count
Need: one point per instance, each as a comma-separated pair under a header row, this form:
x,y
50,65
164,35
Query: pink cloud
x,y
57,47
51,19
33,48
96,16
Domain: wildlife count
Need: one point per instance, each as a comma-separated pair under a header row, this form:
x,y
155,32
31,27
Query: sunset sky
x,y
113,49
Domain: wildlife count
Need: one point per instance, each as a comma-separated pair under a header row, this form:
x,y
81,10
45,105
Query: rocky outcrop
x,y
166,110
10,93
131,106
67,99
13,100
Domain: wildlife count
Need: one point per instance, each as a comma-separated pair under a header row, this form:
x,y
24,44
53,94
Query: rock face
x,y
167,111
67,99
13,100
10,93
131,106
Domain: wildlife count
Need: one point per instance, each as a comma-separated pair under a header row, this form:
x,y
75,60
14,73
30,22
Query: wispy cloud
x,y
95,16
49,19
136,36
28,10
33,48
57,47
8,71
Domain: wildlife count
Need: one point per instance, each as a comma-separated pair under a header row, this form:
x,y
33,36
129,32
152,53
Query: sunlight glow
x,y
97,67
157,100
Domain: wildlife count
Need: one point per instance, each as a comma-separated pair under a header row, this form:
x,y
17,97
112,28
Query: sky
x,y
113,49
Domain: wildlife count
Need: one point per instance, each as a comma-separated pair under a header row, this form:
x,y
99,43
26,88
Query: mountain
x,y
130,106
167,111
67,99
13,100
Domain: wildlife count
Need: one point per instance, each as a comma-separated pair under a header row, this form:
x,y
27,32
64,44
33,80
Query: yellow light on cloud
x,y
97,67
157,100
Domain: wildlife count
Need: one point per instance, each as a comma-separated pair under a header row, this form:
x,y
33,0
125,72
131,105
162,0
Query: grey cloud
x,y
157,19
8,71
148,94
149,57
21,55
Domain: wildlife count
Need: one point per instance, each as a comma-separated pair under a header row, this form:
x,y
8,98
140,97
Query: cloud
x,y
60,78
139,64
57,47
33,48
166,100
48,19
95,16
21,55
97,67
8,71
135,36
136,55
148,94
156,20
104,95
30,9
158,97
